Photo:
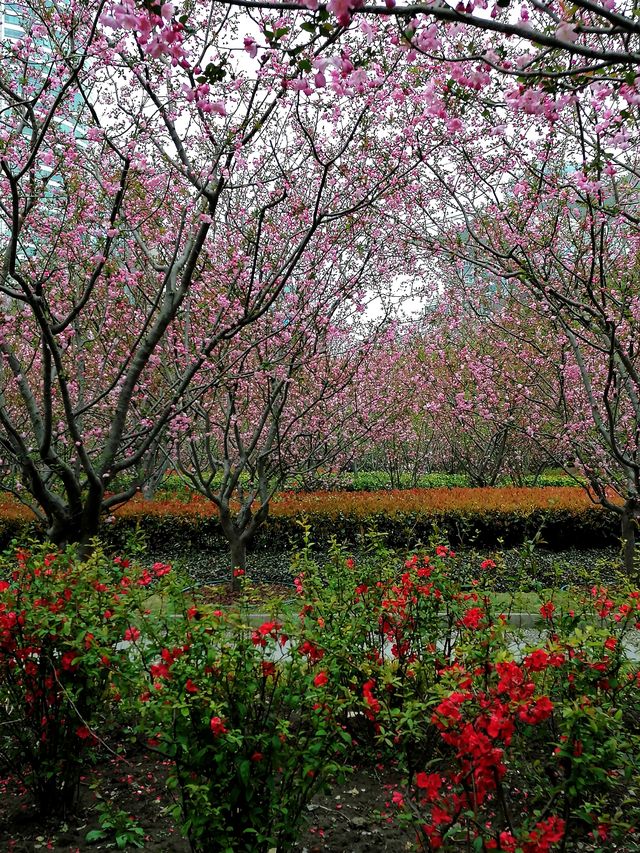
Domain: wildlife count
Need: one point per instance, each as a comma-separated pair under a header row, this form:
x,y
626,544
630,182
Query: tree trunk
x,y
77,529
628,531
238,551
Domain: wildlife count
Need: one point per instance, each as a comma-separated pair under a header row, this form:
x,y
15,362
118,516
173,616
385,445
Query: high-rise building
x,y
11,18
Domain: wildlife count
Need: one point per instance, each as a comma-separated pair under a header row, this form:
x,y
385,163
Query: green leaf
x,y
244,771
94,835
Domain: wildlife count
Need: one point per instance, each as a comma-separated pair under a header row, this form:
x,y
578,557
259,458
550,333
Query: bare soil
x,y
353,816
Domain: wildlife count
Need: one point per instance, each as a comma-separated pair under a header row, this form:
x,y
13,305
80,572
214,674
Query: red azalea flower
x,y
159,670
547,610
268,668
397,799
68,659
536,713
473,618
371,701
537,661
508,844
132,634
321,679
258,640
311,651
217,726
429,783
546,833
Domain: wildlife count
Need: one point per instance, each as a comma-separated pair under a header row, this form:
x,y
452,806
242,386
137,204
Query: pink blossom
x,y
567,32
341,9
251,46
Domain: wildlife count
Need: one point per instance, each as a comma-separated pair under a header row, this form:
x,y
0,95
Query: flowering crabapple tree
x,y
299,398
537,43
248,438
401,444
550,228
131,193
460,397
476,391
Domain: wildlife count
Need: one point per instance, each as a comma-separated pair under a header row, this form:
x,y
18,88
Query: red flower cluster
x,y
478,723
217,726
373,705
162,668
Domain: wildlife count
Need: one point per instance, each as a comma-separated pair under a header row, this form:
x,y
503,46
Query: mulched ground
x,y
352,817
517,569
135,785
355,816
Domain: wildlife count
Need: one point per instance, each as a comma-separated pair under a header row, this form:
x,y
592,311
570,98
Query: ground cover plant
x,y
502,737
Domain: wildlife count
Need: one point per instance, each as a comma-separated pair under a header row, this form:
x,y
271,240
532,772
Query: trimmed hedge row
x,y
367,481
371,481
564,516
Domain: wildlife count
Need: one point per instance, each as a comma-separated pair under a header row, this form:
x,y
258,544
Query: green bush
x,y
62,623
561,528
524,741
509,741
245,723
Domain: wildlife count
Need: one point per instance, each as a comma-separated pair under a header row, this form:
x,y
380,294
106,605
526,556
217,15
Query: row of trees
x,y
165,251
198,207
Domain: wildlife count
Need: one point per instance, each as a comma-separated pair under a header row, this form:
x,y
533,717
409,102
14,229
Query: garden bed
x,y
461,727
354,815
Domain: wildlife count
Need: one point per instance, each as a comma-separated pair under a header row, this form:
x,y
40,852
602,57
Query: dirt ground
x,y
352,818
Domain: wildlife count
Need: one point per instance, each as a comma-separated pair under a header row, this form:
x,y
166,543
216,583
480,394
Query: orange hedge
x,y
565,515
506,499
392,502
